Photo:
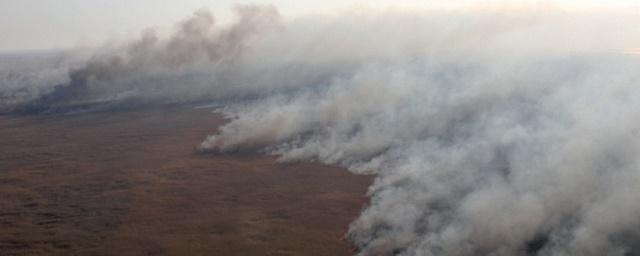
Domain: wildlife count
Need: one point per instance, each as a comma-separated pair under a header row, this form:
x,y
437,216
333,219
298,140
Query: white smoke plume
x,y
493,129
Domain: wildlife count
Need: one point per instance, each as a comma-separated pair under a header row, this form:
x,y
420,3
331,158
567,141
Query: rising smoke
x,y
199,61
492,130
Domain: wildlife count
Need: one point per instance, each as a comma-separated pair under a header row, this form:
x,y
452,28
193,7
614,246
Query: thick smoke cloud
x,y
191,64
26,76
472,158
492,130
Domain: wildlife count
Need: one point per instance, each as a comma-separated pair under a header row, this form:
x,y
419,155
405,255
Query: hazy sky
x,y
45,24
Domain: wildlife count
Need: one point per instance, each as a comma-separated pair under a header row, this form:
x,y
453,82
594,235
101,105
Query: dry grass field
x,y
131,183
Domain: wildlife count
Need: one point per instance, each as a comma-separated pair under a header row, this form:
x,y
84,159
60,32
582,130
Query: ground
x,y
131,183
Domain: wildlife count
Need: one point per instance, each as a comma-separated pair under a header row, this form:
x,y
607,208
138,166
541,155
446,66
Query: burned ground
x,y
131,183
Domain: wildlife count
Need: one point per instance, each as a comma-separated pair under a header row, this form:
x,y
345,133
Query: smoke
x,y
474,158
26,76
492,130
191,64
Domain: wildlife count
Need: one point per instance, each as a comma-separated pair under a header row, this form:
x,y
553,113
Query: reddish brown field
x,y
130,183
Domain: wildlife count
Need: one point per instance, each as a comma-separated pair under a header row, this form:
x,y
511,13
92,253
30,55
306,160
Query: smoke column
x,y
492,129
191,64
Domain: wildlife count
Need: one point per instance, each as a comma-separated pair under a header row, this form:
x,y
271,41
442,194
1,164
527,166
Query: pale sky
x,y
47,24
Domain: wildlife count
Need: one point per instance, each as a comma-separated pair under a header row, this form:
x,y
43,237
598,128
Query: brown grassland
x,y
131,183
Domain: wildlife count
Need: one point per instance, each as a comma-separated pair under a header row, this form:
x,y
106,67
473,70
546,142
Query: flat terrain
x,y
130,183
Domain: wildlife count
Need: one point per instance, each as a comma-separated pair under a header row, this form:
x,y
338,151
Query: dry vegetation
x,y
130,183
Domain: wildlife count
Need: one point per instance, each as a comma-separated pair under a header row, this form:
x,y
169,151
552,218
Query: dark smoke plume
x,y
187,66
